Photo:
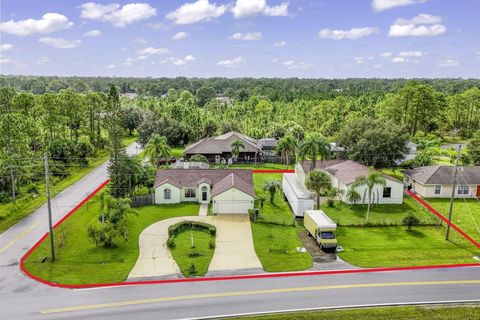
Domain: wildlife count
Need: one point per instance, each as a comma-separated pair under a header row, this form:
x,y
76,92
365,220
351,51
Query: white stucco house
x,y
343,173
437,181
229,191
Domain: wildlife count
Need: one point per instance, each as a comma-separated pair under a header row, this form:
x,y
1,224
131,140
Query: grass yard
x,y
279,211
200,256
384,214
79,261
466,214
272,166
396,173
177,152
12,213
397,247
464,312
276,247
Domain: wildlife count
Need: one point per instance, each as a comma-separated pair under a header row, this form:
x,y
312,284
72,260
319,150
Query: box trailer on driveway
x,y
322,228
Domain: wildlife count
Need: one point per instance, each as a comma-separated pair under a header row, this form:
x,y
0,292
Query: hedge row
x,y
177,228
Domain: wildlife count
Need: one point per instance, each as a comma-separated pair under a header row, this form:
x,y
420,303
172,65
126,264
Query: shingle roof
x,y
346,171
443,175
221,144
232,181
220,180
267,142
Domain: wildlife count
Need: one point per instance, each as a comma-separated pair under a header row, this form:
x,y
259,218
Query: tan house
x,y
437,181
342,173
229,191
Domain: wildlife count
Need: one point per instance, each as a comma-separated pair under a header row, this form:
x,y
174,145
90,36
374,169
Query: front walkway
x,y
234,247
203,211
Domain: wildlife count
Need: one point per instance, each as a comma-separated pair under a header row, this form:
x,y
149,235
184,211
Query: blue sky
x,y
258,38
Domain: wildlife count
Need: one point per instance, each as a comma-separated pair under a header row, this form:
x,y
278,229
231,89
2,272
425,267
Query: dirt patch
x,y
314,250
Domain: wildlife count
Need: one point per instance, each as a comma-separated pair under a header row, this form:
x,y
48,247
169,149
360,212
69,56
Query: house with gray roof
x,y
437,181
219,149
229,191
342,173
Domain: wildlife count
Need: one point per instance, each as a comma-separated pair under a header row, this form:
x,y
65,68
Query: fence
x,y
143,200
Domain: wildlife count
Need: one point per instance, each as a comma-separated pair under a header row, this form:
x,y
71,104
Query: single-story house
x,y
219,149
229,191
343,173
268,146
437,181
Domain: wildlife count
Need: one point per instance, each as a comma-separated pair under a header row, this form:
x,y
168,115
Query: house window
x,y
167,194
387,192
438,189
462,190
190,193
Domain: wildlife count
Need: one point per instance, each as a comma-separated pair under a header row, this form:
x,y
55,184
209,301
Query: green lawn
x,y
396,173
12,213
262,166
177,152
79,261
182,253
468,312
465,214
279,211
385,214
276,247
395,247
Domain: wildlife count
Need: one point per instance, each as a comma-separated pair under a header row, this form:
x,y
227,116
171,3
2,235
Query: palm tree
x,y
353,196
236,145
287,146
313,147
318,182
157,148
370,182
272,187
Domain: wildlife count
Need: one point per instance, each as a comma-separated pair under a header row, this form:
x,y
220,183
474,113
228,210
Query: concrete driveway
x,y
234,247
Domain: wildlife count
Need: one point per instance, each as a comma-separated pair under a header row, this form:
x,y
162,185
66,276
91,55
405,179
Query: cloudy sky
x,y
236,38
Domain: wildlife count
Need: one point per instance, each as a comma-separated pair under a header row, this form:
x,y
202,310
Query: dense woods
x,y
73,119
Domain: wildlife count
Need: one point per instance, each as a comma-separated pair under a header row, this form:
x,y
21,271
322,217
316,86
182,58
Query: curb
x,y
439,215
222,278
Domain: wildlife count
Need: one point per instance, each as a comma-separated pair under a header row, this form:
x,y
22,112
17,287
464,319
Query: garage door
x,y
235,206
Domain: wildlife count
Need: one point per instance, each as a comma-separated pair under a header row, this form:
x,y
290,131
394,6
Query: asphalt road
x,y
23,298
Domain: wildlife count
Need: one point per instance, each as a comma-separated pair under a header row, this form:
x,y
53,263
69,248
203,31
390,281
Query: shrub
x,y
171,243
192,269
103,235
211,244
330,203
33,189
199,158
177,228
410,221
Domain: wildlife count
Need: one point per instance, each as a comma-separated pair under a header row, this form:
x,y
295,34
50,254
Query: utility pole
x,y
49,205
12,179
453,192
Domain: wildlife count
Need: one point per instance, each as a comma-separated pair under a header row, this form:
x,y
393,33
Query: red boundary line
x,y
272,171
438,214
223,278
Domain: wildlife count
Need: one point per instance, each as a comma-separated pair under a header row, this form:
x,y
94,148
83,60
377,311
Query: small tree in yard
x,y
353,197
198,158
411,221
236,146
318,182
370,182
272,187
261,198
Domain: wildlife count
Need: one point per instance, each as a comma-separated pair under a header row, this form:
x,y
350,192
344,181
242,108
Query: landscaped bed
x,y
79,261
466,214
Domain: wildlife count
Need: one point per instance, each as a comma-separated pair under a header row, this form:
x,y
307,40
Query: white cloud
x,y
151,51
377,66
129,61
448,63
252,36
140,40
380,5
157,26
110,66
280,44
235,62
42,60
248,8
399,60
423,25
50,22
60,43
5,60
180,35
181,62
352,34
93,33
410,54
295,65
386,54
359,60
202,10
6,46
119,16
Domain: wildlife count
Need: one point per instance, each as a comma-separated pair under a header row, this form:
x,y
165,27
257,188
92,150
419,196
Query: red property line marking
x,y
224,278
272,171
438,214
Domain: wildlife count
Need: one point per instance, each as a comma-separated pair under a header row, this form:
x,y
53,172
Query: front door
x,y
204,195
478,191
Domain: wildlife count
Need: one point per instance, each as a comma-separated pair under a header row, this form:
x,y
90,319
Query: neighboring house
x,y
343,173
410,154
225,100
229,191
129,95
180,164
437,181
219,149
268,146
336,151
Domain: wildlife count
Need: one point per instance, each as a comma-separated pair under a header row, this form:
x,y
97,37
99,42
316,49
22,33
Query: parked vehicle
x,y
322,228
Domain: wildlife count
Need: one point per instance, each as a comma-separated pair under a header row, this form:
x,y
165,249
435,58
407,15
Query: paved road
x,y
23,298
